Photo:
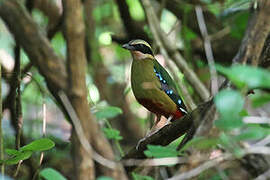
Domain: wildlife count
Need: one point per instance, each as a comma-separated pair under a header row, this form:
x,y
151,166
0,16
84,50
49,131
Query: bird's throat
x,y
137,55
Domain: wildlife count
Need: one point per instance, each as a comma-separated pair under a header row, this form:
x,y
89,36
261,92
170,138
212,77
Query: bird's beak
x,y
128,47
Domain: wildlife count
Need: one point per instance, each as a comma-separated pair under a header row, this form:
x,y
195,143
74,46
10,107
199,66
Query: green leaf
x,y
260,99
136,176
201,143
189,34
12,152
229,104
112,133
252,133
108,112
39,145
238,27
50,173
157,151
104,178
229,123
136,10
246,76
21,156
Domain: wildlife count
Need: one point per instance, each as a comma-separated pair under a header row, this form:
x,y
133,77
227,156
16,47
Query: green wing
x,y
168,85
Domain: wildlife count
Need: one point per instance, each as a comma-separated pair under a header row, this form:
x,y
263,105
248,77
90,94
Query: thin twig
x,y
263,142
44,118
1,130
256,120
208,50
155,161
196,171
18,168
17,103
212,163
79,130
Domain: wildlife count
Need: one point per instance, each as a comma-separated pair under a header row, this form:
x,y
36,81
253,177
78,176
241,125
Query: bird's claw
x,y
139,143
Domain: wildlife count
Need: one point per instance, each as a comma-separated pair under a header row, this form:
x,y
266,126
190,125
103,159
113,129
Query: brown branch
x,y
75,36
255,36
265,56
76,64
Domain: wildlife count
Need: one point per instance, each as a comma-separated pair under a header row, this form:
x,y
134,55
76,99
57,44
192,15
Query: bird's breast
x,y
146,88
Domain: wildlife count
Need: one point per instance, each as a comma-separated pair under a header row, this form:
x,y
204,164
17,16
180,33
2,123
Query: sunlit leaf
x,y
112,133
136,10
246,76
50,173
108,112
229,104
58,44
39,145
252,133
105,38
201,143
160,151
259,99
136,176
104,178
21,156
12,152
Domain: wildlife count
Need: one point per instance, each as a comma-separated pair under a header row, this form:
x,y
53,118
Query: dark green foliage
x,y
26,151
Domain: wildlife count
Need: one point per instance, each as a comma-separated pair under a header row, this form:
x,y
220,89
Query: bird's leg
x,y
152,131
169,120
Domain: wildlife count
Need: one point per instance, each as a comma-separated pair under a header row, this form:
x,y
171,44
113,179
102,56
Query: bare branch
x,y
196,171
83,140
255,36
208,50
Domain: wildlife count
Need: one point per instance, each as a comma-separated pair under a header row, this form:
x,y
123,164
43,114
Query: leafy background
x,y
122,119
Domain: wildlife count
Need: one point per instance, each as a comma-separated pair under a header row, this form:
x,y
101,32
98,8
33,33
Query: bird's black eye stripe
x,y
143,48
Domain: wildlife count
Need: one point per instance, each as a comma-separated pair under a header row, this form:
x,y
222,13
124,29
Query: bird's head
x,y
139,49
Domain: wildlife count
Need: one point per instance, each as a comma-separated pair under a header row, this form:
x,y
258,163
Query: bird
x,y
152,85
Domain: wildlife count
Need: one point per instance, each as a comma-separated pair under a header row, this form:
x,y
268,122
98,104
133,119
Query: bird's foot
x,y
139,143
168,120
